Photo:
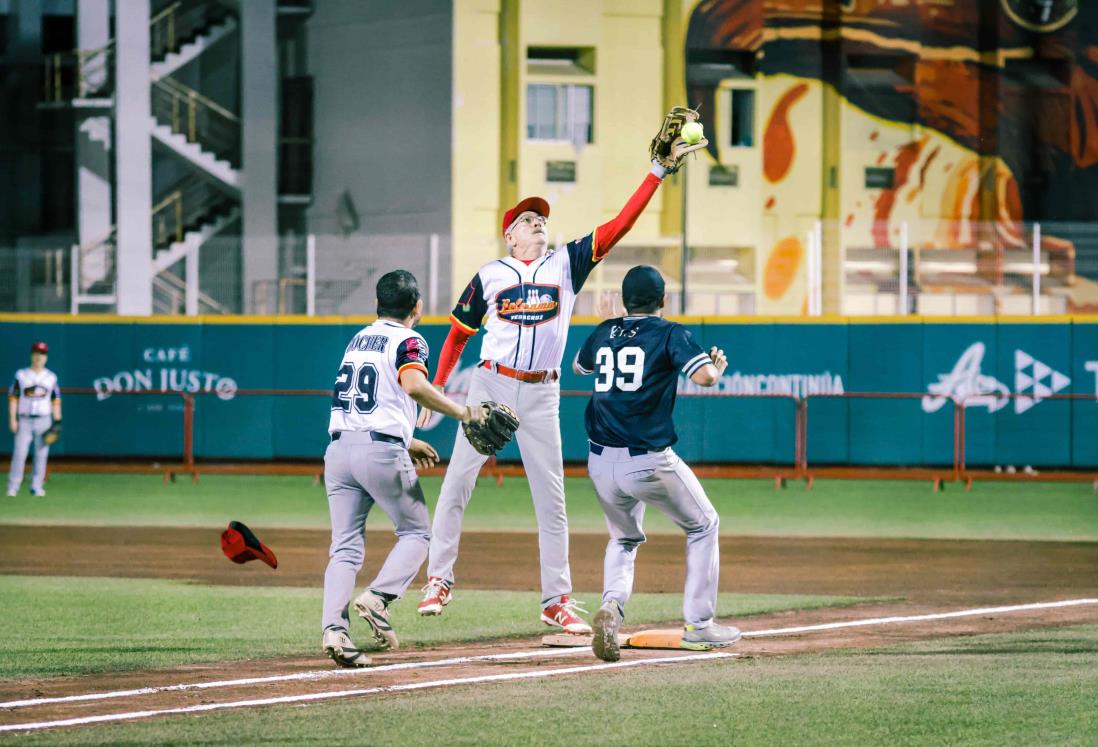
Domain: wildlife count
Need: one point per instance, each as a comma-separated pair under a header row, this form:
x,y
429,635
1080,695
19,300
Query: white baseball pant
x,y
538,436
31,428
625,484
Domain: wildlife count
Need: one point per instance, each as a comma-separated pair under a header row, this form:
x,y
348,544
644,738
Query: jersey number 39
x,y
358,387
622,372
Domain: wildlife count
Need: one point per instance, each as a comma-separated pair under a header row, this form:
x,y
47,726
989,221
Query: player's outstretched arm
x,y
710,373
13,413
415,384
451,354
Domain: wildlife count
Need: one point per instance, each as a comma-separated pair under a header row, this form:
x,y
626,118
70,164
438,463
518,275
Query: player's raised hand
x,y
716,355
423,454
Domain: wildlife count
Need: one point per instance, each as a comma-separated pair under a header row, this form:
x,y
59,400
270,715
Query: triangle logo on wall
x,y
1034,380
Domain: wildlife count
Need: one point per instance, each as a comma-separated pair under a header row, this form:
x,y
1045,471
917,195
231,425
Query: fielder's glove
x,y
668,149
494,431
50,436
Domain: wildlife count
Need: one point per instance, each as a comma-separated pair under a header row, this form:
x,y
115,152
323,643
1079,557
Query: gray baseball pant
x,y
625,484
359,472
538,436
30,429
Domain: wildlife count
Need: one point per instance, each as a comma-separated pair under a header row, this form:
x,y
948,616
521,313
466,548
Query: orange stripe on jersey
x,y
466,327
413,364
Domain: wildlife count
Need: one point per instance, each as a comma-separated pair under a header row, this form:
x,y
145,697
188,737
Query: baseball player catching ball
x,y
34,415
382,375
524,301
636,360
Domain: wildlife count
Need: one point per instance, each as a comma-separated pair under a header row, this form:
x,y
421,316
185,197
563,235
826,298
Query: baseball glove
x,y
668,149
50,437
493,432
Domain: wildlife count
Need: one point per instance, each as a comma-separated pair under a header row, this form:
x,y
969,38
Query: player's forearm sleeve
x,y
608,234
451,353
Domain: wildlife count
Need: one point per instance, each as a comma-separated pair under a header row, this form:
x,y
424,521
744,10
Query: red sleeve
x,y
451,352
608,234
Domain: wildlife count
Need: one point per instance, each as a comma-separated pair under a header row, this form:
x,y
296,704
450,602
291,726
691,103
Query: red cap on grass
x,y
537,204
241,545
40,347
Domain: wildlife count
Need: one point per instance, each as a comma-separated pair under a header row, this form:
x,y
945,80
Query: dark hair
x,y
648,308
397,293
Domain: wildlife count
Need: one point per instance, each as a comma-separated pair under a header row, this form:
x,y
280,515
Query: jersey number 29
x,y
363,382
629,368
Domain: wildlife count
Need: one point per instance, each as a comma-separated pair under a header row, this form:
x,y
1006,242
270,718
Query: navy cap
x,y
642,286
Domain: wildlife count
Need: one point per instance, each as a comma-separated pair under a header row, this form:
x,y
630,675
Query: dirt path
x,y
965,573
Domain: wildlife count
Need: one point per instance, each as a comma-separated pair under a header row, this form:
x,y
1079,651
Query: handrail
x,y
190,93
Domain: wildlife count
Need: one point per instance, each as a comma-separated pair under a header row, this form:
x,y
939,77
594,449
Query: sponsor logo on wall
x,y
168,372
1034,380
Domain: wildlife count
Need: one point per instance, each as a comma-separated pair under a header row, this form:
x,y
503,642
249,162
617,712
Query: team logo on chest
x,y
528,304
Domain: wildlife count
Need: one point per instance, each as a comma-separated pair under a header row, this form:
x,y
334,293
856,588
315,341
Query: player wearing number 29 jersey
x,y
367,395
382,376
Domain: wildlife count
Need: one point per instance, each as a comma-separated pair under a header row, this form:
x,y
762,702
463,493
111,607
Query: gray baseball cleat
x,y
338,645
711,636
372,608
605,626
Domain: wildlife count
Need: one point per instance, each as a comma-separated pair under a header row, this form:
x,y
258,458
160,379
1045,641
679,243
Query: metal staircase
x,y
202,134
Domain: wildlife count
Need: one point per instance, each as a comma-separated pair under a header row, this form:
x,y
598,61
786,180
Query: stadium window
x,y
743,118
560,112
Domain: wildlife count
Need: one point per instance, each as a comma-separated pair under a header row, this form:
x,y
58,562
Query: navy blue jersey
x,y
636,361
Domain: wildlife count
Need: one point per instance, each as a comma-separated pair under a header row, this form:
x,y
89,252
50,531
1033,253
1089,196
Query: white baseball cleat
x,y
606,622
372,608
338,645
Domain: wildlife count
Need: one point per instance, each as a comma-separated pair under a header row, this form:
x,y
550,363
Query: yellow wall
x,y
476,139
490,80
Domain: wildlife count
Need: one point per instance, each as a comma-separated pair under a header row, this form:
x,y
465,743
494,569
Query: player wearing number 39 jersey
x,y
637,361
381,377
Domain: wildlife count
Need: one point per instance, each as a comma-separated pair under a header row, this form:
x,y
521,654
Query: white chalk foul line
x,y
285,699
311,675
918,618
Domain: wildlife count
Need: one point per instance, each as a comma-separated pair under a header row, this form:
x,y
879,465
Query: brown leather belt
x,y
529,377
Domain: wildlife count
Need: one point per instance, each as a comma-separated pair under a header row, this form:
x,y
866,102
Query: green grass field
x,y
66,626
834,508
1023,688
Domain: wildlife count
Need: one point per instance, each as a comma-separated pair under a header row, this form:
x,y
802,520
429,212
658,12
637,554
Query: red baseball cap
x,y
40,347
537,204
241,545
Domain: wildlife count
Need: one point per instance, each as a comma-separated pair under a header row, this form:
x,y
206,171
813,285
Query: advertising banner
x,y
1004,372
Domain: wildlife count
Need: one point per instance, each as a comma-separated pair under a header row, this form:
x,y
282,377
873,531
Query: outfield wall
x,y
1003,368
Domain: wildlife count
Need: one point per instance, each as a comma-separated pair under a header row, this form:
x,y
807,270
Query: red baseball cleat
x,y
563,615
436,595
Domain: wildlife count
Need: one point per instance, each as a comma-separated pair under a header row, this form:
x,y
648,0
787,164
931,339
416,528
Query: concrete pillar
x,y
259,130
93,144
133,159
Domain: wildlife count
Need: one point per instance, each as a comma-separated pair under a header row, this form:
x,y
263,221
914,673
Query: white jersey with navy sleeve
x,y
526,308
367,395
35,391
